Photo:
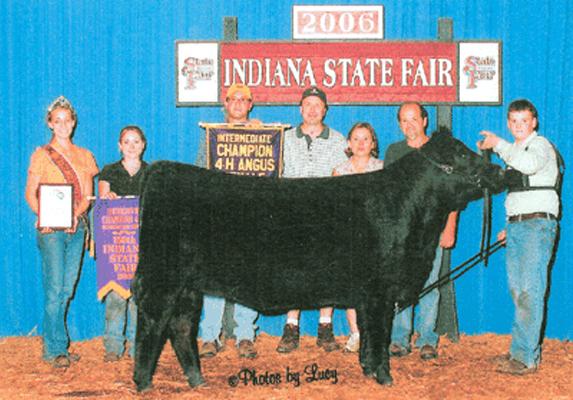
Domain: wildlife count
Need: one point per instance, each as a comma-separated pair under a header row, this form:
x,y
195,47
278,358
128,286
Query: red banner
x,y
467,72
349,72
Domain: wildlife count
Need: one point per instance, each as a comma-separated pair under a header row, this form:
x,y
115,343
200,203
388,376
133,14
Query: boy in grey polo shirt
x,y
312,149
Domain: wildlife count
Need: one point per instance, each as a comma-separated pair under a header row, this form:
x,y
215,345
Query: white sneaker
x,y
353,343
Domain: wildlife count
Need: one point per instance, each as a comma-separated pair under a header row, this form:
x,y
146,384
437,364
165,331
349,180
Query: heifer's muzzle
x,y
492,178
488,176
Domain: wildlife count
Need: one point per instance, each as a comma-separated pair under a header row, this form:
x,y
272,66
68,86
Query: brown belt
x,y
525,217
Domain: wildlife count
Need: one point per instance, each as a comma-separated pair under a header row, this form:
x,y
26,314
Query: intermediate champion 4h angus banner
x,y
245,149
116,224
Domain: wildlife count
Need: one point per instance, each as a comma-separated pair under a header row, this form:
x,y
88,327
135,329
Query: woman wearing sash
x,y
122,178
61,162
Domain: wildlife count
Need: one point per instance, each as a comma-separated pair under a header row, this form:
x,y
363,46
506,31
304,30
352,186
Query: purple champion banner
x,y
116,227
245,150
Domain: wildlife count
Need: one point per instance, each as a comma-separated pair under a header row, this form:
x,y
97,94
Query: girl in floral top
x,y
363,157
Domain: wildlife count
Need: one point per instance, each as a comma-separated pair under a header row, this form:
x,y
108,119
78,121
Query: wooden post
x,y
230,29
447,322
230,33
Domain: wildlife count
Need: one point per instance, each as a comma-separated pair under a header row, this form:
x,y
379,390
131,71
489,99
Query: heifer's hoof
x,y
368,371
144,387
196,381
384,379
383,376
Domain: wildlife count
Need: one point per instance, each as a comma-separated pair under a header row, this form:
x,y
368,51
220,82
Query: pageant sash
x,y
70,174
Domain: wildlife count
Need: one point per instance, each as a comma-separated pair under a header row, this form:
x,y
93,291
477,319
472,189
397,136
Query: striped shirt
x,y
305,157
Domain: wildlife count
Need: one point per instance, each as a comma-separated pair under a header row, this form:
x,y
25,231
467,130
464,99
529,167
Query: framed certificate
x,y
55,208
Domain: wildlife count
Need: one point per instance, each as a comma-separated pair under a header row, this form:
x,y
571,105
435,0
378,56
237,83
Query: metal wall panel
x,y
115,61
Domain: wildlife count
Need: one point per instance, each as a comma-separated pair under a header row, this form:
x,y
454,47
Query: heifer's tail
x,y
159,225
166,307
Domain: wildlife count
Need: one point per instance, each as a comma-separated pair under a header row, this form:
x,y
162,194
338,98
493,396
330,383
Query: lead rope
x,y
458,271
485,249
486,215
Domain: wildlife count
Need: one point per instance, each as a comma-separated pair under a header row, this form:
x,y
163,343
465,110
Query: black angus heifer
x,y
363,241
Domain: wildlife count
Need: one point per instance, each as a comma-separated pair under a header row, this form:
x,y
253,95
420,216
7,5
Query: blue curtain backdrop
x,y
115,61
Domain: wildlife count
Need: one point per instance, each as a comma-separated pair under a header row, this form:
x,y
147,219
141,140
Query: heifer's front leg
x,y
149,341
183,329
375,327
386,317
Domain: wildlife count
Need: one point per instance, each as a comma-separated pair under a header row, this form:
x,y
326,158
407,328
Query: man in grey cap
x,y
312,149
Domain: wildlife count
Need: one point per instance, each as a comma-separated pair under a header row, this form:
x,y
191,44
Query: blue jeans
x,y
426,316
213,320
529,250
120,316
61,262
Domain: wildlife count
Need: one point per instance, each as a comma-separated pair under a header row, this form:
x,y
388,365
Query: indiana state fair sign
x,y
351,72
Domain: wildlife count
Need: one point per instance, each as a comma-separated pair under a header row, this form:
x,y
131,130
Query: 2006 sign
x,y
338,22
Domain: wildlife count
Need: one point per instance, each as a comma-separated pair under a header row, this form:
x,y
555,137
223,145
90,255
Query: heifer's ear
x,y
442,130
441,134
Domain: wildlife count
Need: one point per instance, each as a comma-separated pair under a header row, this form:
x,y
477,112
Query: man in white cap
x,y
238,104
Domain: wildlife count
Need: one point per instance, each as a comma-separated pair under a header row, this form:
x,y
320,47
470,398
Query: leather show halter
x,y
486,249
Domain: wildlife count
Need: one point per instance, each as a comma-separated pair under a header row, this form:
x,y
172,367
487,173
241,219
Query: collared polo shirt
x,y
305,157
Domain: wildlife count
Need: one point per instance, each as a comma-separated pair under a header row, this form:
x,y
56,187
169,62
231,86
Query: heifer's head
x,y
468,174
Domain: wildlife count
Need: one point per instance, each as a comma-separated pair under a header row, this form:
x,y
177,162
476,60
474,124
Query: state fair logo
x,y
197,69
479,69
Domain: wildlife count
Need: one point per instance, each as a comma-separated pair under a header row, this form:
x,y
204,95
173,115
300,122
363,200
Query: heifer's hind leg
x,y
375,327
149,341
365,354
385,319
183,329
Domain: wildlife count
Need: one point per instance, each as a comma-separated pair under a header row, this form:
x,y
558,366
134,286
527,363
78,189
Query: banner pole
x,y
230,34
447,322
